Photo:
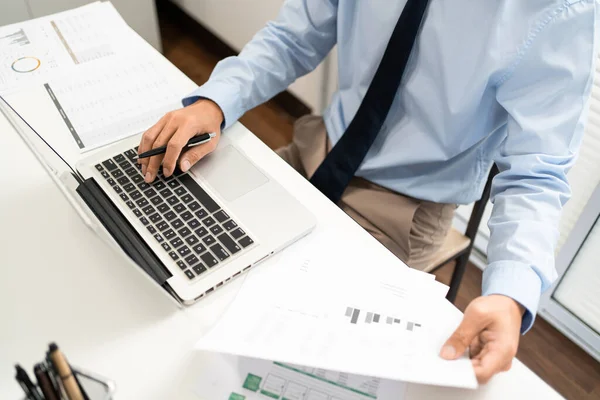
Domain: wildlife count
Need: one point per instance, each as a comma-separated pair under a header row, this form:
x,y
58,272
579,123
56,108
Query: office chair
x,y
458,246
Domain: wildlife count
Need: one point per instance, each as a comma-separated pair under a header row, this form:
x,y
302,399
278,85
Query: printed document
x,y
104,80
229,377
104,106
332,308
32,52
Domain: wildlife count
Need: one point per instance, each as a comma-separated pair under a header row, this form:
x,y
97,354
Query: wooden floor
x,y
548,353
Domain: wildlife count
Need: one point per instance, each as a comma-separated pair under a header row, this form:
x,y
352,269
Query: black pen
x,y
31,391
195,141
54,377
42,375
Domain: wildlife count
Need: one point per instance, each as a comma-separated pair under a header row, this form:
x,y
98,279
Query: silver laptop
x,y
192,232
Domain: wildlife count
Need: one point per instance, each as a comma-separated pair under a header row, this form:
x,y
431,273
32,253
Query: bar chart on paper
x,y
17,37
34,51
20,60
13,41
356,316
37,51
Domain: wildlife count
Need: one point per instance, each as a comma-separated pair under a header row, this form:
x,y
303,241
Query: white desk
x,y
60,282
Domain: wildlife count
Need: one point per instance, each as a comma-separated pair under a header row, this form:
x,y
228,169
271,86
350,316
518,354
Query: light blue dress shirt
x,y
504,81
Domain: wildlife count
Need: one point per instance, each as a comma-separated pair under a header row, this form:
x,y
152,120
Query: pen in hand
x,y
195,141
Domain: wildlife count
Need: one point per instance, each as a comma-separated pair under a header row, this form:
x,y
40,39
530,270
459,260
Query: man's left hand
x,y
490,329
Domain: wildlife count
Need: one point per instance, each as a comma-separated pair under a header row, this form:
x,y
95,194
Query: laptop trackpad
x,y
230,173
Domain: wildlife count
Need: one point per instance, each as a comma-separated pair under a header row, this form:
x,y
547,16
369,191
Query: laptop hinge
x,y
122,231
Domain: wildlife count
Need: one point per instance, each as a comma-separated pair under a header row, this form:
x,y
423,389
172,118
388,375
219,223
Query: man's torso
x,y
445,125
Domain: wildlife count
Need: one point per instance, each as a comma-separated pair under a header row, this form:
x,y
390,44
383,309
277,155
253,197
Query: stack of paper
x,y
105,81
60,45
333,309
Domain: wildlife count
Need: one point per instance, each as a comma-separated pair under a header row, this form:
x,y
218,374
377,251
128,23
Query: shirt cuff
x,y
517,281
224,95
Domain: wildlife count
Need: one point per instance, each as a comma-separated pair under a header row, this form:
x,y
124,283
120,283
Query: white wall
x,y
236,21
12,11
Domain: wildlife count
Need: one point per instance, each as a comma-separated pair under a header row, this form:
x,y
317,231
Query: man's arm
x,y
546,98
545,94
287,48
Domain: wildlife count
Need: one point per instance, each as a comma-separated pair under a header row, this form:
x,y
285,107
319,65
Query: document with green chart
x,y
228,377
320,306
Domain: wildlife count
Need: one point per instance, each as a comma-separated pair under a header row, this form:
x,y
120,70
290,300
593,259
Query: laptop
x,y
192,232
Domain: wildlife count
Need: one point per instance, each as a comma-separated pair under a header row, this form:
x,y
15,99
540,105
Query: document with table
x,y
240,378
333,309
327,322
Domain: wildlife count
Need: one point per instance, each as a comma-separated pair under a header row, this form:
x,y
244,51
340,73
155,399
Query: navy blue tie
x,y
335,172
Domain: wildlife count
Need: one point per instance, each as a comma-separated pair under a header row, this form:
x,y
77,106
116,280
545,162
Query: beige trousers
x,y
412,229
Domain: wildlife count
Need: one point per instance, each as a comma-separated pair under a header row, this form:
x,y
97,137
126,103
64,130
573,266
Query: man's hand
x,y
174,130
490,329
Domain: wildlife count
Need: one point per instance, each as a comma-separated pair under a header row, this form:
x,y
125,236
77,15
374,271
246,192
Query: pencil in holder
x,y
94,386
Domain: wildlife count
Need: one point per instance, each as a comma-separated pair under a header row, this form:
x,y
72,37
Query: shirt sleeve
x,y
546,99
288,47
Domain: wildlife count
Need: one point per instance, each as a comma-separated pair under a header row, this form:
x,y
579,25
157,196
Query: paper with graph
x,y
104,106
105,81
59,45
338,309
230,377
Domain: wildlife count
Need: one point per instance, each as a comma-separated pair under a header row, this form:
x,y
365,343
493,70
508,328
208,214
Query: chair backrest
x,y
479,206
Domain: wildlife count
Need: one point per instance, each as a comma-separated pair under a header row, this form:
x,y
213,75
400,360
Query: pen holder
x,y
96,387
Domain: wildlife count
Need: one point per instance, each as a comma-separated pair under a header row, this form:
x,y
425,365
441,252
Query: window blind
x,y
578,290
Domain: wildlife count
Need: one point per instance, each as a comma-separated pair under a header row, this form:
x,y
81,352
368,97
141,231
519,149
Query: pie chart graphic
x,y
26,64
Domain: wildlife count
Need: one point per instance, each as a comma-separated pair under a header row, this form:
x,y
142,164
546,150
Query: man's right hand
x,y
174,130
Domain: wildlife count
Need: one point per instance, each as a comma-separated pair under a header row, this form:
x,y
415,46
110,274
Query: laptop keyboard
x,y
191,227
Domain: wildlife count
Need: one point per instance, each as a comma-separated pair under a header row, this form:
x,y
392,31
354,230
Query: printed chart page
x,y
32,52
229,377
105,81
331,307
106,105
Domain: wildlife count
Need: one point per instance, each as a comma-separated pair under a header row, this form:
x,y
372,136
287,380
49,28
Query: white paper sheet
x,y
320,310
92,34
105,105
32,52
104,80
229,377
